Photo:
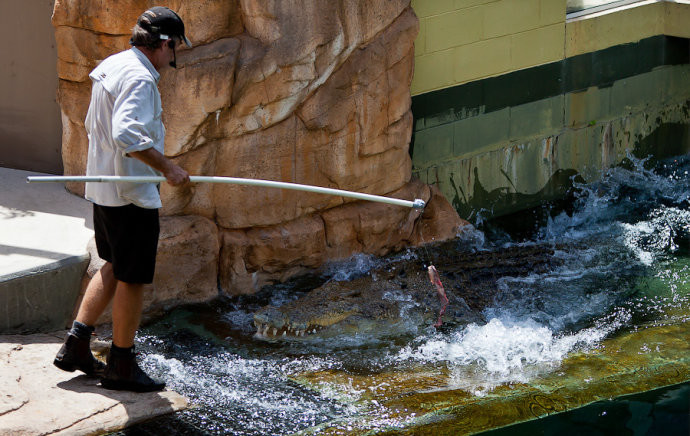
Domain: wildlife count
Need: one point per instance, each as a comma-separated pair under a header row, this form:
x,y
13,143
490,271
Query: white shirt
x,y
124,116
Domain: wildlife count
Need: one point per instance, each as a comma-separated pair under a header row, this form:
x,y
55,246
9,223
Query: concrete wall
x,y
41,299
30,126
464,40
627,24
500,134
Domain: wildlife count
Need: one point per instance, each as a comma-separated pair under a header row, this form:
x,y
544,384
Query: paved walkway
x,y
44,232
40,223
38,399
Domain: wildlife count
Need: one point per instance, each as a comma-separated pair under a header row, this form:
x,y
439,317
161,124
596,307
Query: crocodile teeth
x,y
313,331
284,333
275,331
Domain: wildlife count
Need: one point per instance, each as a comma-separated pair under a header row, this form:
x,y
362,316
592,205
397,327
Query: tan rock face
x,y
187,260
439,222
205,20
74,100
311,92
203,75
253,258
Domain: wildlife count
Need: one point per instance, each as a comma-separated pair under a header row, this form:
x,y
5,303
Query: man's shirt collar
x,y
147,63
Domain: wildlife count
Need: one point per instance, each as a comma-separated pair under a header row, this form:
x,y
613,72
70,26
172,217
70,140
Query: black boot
x,y
76,354
123,373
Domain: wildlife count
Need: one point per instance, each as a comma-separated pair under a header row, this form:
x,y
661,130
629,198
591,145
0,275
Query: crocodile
x,y
401,291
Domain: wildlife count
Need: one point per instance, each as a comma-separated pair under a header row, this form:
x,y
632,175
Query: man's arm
x,y
174,174
133,113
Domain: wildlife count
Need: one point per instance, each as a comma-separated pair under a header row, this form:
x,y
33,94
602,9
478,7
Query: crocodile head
x,y
336,304
356,305
375,302
277,322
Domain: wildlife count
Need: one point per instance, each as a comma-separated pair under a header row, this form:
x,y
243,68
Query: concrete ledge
x,y
464,41
41,298
44,232
39,399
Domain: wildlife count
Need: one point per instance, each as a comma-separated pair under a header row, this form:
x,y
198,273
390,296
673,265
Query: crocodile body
x,y
402,291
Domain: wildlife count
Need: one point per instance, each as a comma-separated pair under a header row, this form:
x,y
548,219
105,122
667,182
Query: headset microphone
x,y
171,44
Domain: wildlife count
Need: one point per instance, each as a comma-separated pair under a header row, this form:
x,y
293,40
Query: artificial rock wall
x,y
312,92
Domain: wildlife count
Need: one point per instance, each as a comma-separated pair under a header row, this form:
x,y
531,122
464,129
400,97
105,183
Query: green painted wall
x,y
510,141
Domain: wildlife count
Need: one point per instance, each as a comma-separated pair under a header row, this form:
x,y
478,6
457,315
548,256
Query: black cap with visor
x,y
165,23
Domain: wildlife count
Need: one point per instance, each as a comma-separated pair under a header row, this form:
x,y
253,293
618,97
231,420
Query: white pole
x,y
416,204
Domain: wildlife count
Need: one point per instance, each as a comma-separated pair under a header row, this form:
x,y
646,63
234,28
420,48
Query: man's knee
x,y
133,288
107,269
107,275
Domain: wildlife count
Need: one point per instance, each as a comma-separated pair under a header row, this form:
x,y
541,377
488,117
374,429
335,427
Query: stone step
x,y
39,399
44,232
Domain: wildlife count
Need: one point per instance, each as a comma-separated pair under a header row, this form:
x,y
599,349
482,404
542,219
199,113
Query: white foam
x,y
356,265
501,351
225,379
647,239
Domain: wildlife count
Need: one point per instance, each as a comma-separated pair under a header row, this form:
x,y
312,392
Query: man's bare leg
x,y
99,292
127,307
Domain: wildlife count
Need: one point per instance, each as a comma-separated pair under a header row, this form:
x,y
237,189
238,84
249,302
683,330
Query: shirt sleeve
x,y
134,116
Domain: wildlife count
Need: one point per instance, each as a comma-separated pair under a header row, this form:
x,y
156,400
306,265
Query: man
x,y
125,138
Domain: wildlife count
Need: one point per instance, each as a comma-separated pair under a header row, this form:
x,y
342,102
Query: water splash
x,y
621,228
355,266
623,266
624,195
503,351
657,235
256,393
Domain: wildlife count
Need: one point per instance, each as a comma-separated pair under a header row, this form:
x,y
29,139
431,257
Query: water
x,y
610,318
662,412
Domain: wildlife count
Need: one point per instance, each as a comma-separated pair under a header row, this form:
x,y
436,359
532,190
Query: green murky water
x,y
664,411
571,349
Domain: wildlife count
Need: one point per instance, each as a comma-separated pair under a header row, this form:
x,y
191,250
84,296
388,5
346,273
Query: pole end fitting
x,y
418,203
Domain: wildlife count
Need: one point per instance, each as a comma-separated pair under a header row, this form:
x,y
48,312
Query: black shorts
x,y
127,237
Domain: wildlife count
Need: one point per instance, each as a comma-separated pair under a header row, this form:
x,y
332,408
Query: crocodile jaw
x,y
283,328
266,331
